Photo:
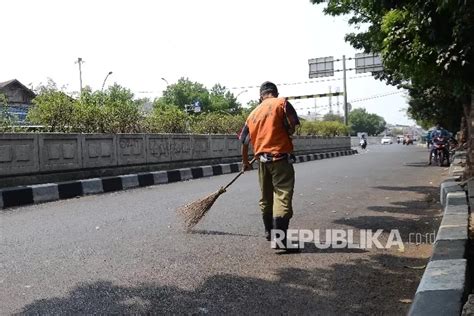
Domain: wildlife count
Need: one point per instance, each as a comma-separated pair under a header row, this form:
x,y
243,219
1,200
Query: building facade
x,y
19,98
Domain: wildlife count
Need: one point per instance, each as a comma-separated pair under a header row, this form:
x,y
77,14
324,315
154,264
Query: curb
x,y
442,289
457,165
40,193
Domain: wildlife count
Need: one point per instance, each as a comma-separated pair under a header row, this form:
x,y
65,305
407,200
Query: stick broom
x,y
193,212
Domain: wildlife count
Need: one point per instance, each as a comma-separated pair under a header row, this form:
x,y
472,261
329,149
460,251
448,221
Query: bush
x,y
307,128
112,111
324,128
6,118
167,120
53,109
217,123
90,114
122,110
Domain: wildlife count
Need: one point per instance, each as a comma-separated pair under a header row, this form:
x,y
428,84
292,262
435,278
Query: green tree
x,y
53,109
168,119
362,121
90,116
425,45
323,128
184,92
251,105
6,118
122,110
223,100
218,123
331,117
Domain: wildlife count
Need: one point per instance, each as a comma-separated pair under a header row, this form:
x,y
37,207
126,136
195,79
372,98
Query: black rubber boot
x,y
268,223
282,223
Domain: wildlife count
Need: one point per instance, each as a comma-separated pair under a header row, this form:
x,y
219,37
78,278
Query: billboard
x,y
321,67
368,63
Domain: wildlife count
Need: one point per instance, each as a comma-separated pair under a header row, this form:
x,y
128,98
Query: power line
x,y
301,82
283,83
375,96
326,106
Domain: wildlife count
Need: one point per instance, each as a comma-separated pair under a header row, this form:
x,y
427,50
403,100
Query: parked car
x,y
386,140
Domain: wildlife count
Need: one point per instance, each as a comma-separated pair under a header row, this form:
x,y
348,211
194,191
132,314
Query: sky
x,y
147,44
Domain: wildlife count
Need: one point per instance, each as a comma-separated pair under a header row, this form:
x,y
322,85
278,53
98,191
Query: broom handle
x,y
238,175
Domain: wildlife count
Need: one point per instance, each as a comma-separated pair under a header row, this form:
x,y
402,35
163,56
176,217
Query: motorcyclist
x,y
429,139
363,141
437,132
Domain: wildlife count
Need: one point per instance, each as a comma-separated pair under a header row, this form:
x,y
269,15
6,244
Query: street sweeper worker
x,y
269,128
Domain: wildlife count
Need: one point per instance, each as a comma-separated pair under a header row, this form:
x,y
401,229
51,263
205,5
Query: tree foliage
x,y
426,46
169,119
185,93
111,111
223,100
331,117
362,121
53,109
323,128
218,123
6,118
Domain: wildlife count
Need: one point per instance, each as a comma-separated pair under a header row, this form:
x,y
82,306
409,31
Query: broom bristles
x,y
193,212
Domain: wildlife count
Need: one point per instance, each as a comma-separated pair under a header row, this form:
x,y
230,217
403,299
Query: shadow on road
x,y
311,248
419,189
341,289
217,233
417,164
406,226
407,207
426,205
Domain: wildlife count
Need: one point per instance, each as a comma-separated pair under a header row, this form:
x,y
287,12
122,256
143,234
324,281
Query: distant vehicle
x,y
399,139
408,140
440,152
386,140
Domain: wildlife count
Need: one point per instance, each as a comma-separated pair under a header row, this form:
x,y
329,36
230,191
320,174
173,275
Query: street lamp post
x,y
167,84
240,93
103,84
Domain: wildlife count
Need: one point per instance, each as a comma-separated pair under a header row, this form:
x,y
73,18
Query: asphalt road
x,y
125,252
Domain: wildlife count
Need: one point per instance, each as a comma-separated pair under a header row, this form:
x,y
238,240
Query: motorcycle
x,y
440,151
363,143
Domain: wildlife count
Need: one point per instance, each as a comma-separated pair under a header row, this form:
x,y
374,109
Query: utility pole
x,y
315,108
346,112
330,100
80,62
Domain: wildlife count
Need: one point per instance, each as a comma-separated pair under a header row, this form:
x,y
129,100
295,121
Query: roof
x,y
13,81
6,83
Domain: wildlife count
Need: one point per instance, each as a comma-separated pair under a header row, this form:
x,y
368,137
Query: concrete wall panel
x,y
99,150
158,149
60,152
181,147
131,149
19,154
